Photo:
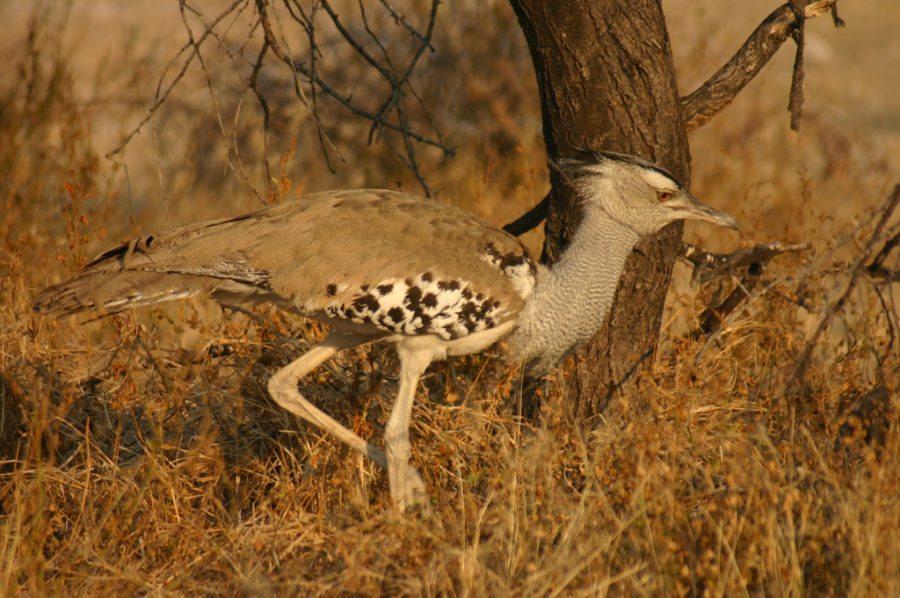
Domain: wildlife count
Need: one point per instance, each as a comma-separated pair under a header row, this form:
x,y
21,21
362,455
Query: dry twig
x,y
393,113
752,260
397,79
853,274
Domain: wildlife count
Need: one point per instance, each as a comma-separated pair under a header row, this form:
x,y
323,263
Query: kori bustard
x,y
433,279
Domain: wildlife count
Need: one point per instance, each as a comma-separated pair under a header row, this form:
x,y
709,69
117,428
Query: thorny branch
x,y
719,90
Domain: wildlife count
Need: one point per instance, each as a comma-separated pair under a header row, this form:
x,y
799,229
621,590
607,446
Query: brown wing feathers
x,y
305,254
148,270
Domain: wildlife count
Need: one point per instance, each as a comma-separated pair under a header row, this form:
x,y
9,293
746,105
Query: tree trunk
x,y
607,81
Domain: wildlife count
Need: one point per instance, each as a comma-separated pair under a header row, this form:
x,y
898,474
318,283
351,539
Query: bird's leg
x,y
407,488
283,389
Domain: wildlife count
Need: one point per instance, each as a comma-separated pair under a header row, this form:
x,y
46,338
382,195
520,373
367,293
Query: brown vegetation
x,y
140,454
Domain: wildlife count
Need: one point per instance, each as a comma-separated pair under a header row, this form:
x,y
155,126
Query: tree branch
x,y
719,90
398,79
253,85
710,265
163,94
752,260
877,271
850,282
530,219
795,104
398,114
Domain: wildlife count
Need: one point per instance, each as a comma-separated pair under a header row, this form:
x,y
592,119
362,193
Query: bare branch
x,y
877,270
849,284
253,85
530,219
795,104
392,114
357,46
185,7
838,21
710,265
890,316
306,22
752,260
163,95
399,18
720,89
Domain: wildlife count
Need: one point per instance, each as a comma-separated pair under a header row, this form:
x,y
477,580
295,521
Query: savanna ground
x,y
140,454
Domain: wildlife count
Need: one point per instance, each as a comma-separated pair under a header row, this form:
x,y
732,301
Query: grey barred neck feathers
x,y
574,296
623,199
431,278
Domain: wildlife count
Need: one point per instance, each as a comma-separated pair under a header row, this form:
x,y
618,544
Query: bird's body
x,y
458,275
431,278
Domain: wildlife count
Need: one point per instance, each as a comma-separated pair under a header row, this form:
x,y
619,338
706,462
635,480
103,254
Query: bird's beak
x,y
687,207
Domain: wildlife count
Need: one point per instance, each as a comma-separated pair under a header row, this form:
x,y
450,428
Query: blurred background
x,y
82,75
139,454
80,125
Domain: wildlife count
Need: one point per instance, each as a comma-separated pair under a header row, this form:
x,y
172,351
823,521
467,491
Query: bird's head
x,y
633,191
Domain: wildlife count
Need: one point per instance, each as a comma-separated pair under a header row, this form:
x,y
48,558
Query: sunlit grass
x,y
140,454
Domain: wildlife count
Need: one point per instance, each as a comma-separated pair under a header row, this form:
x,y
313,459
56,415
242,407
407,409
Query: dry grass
x,y
140,454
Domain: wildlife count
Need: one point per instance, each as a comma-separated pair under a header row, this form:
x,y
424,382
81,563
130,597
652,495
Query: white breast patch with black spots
x,y
449,309
517,267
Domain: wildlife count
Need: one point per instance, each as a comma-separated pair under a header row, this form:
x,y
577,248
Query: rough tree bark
x,y
607,81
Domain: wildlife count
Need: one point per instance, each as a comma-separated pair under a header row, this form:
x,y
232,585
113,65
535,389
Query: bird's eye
x,y
664,195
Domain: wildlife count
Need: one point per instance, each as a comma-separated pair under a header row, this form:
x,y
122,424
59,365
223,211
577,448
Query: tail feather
x,y
113,292
203,258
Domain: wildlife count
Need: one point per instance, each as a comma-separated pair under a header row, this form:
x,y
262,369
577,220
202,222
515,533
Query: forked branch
x,y
400,112
392,115
720,89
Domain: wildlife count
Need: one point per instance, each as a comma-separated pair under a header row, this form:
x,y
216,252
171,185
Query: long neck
x,y
572,299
